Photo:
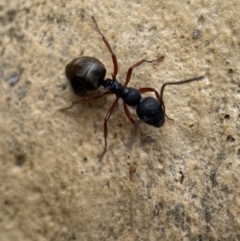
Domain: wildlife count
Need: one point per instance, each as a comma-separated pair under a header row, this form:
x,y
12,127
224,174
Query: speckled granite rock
x,y
179,182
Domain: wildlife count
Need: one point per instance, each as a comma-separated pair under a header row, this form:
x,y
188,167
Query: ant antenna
x,y
176,83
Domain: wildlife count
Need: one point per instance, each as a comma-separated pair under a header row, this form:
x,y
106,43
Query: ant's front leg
x,y
129,73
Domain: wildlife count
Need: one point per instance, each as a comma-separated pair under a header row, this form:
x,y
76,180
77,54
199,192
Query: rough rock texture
x,y
185,176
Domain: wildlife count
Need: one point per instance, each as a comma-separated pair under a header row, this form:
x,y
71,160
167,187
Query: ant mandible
x,y
87,74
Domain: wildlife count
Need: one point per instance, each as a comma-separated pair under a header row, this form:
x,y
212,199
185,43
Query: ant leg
x,y
114,58
85,99
128,114
108,115
129,73
149,89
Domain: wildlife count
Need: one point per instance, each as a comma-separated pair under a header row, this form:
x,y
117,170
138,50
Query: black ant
x,y
87,74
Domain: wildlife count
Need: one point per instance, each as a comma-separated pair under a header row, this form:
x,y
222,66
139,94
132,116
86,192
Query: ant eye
x,y
150,111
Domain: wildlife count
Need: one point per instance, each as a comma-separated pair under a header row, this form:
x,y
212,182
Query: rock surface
x,y
179,182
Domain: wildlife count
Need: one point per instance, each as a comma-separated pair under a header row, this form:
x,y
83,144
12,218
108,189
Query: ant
x,y
87,74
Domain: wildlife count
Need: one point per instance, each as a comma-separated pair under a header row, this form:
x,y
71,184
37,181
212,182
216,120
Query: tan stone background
x,y
187,181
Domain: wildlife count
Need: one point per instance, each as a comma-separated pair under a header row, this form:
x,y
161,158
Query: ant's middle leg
x,y
128,113
85,99
129,73
114,58
108,115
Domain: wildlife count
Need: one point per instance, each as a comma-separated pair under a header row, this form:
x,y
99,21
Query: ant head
x,y
152,111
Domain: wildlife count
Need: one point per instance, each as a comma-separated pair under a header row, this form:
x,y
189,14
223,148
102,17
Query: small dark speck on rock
x,y
182,177
13,79
230,71
230,138
64,87
213,178
227,117
72,237
150,139
20,160
221,156
23,90
11,14
238,154
196,34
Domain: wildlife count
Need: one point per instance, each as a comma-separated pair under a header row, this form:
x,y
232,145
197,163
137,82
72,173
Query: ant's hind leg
x,y
114,58
129,73
85,99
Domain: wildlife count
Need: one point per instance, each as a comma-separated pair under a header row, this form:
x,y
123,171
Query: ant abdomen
x,y
85,73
